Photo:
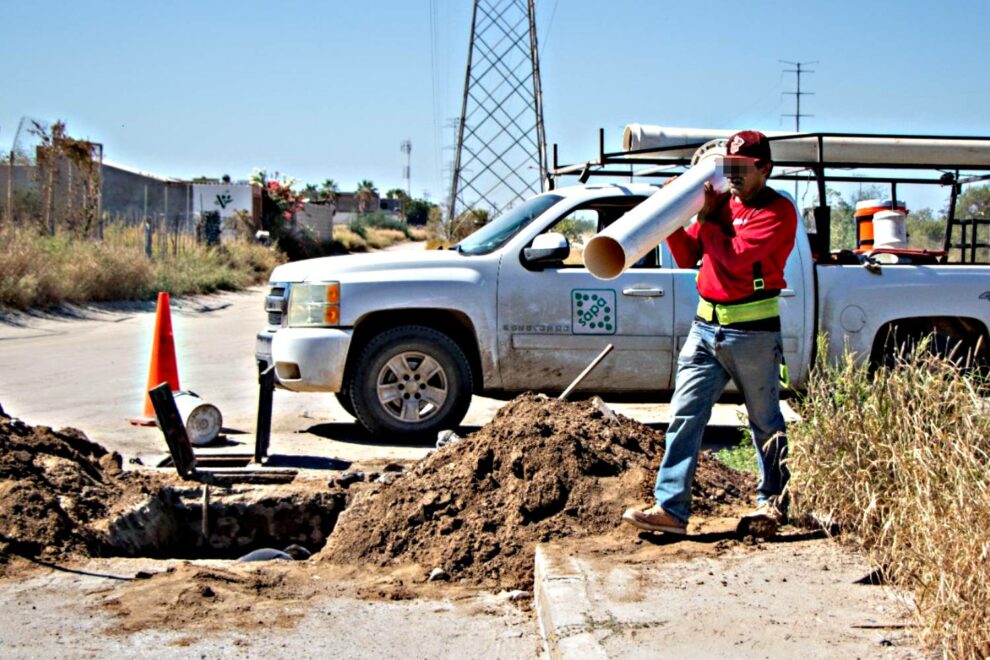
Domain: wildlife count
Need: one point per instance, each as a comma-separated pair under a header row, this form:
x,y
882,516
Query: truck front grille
x,y
276,303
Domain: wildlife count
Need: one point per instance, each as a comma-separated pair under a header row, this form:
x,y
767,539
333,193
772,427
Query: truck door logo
x,y
593,311
985,295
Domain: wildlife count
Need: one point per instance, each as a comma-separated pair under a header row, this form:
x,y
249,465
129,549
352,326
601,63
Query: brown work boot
x,y
763,522
654,519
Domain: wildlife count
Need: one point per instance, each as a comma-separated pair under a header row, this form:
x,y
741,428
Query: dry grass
x,y
43,271
901,460
349,240
383,238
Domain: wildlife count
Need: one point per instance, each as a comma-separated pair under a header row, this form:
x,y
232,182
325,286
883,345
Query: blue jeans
x,y
710,357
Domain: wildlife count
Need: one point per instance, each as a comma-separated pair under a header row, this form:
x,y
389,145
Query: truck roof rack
x,y
813,158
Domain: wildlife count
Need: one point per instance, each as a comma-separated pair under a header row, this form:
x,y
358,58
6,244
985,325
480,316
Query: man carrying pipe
x,y
743,238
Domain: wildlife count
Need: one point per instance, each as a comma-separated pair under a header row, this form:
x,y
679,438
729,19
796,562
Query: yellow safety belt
x,y
741,313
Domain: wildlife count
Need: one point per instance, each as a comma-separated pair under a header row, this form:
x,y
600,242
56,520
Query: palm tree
x,y
366,192
399,194
329,191
310,192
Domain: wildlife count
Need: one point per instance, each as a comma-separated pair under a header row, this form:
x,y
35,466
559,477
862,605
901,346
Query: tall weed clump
x,y
901,457
38,270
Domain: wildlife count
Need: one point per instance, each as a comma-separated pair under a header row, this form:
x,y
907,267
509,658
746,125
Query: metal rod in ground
x,y
176,436
587,370
205,522
263,427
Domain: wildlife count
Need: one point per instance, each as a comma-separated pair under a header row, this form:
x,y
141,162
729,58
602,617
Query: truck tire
x,y
344,399
411,381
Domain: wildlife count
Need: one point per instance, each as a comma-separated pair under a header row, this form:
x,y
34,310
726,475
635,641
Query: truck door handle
x,y
787,293
643,293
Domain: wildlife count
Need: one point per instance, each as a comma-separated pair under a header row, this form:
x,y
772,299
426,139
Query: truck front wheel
x,y
411,381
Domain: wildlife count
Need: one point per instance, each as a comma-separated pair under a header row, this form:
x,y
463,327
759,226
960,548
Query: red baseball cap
x,y
751,144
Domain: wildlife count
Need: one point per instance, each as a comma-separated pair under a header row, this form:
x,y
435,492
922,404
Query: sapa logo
x,y
593,312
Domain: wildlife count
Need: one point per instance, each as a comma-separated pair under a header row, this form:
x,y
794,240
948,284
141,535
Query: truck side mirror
x,y
547,249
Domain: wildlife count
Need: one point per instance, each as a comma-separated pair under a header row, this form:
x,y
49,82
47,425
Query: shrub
x,y
383,238
378,220
348,240
43,271
901,459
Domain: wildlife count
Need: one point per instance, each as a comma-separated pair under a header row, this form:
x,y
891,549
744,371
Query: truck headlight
x,y
314,305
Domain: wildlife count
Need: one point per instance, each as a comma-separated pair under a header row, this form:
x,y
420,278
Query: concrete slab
x,y
793,598
563,608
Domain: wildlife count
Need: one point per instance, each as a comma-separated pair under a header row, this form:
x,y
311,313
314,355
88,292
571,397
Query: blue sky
x,y
329,89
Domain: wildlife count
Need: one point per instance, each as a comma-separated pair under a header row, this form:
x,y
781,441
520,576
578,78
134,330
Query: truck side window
x,y
581,224
578,226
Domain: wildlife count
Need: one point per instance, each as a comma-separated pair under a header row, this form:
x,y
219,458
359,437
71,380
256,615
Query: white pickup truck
x,y
405,338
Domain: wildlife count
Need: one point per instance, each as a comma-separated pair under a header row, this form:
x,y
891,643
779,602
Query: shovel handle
x,y
587,370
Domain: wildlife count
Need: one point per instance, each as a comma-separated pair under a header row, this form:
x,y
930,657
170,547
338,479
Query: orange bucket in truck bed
x,y
864,219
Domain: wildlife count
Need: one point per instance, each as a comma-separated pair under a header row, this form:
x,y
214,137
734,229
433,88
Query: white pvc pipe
x,y
838,150
629,238
202,420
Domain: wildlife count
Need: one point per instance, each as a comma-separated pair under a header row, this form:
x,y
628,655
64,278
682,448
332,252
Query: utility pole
x,y
797,71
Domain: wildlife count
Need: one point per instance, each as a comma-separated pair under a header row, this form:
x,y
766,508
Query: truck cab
x,y
510,308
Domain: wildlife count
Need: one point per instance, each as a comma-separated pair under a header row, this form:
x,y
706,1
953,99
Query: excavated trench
x,y
239,519
543,469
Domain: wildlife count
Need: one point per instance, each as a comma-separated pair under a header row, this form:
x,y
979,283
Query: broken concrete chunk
x,y
514,595
600,406
387,478
438,574
347,478
446,437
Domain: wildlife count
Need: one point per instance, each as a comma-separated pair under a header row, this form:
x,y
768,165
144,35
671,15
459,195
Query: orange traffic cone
x,y
163,367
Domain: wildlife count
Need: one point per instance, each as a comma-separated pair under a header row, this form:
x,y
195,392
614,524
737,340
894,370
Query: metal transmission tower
x,y
406,148
501,146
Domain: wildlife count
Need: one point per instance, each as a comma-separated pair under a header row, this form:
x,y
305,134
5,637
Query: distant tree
x,y
925,229
366,192
399,194
310,192
843,227
575,229
329,191
843,222
446,232
418,211
974,202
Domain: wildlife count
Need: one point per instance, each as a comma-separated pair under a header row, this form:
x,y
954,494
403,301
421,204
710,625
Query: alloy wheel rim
x,y
412,386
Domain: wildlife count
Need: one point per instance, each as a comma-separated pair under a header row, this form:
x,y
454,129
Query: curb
x,y
562,607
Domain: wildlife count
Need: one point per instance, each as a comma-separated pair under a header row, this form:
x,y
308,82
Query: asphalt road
x,y
87,368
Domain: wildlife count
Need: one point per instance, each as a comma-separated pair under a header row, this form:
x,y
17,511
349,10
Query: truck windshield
x,y
495,234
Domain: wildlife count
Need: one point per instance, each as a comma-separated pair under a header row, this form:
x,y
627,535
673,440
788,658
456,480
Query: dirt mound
x,y
53,484
205,598
541,469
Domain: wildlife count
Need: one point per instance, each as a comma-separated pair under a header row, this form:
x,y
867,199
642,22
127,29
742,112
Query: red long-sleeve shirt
x,y
731,242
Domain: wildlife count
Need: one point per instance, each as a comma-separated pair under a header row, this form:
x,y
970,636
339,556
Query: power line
x,y
797,71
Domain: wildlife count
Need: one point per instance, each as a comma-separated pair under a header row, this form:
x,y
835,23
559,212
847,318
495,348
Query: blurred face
x,y
745,178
